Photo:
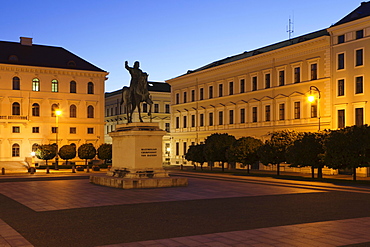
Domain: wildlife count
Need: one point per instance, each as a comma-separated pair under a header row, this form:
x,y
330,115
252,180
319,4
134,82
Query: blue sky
x,y
168,37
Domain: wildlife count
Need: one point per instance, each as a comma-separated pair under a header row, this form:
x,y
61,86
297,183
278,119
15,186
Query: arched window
x,y
35,110
72,87
54,86
16,83
54,107
90,88
16,109
72,111
15,150
90,111
34,147
35,84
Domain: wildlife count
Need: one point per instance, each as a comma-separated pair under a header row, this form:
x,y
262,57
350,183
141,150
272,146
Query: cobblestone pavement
x,y
212,211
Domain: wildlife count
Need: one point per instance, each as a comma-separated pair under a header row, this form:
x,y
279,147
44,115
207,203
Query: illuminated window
x,y
54,86
72,87
72,111
16,83
90,88
35,84
90,111
15,150
35,110
16,109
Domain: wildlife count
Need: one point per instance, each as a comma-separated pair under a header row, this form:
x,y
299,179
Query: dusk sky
x,y
168,37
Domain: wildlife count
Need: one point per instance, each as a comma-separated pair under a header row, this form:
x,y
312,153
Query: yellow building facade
x,y
35,81
265,90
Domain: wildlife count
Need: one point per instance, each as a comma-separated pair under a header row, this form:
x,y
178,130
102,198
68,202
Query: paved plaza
x,y
214,210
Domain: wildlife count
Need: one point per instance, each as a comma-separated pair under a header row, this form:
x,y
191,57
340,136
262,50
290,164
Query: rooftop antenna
x,y
290,27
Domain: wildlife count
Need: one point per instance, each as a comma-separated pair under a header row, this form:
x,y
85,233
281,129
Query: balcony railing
x,y
13,117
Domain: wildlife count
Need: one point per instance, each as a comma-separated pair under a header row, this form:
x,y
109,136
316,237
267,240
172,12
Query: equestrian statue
x,y
138,92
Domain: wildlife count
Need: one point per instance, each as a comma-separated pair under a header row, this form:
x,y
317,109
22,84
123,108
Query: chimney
x,y
26,41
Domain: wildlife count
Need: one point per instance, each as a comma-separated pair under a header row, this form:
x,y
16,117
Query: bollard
x,y
47,170
73,169
3,171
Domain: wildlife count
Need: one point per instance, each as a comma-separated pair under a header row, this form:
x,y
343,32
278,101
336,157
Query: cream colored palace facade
x,y
35,81
161,95
265,90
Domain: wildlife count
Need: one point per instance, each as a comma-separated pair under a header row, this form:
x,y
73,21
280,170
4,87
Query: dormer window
x,y
71,63
13,58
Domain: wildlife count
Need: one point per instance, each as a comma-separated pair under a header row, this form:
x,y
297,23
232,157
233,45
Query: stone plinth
x,y
137,159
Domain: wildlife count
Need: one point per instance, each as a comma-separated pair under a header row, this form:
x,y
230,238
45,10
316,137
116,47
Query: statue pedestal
x,y
137,159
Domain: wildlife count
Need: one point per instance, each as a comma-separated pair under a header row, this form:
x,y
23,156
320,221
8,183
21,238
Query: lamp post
x,y
312,99
57,114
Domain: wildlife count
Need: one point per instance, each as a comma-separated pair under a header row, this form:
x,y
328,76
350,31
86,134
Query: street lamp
x,y
57,114
312,99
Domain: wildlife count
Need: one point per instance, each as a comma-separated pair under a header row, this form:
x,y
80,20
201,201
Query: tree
x,y
216,146
67,152
105,152
244,150
273,150
308,151
86,151
348,148
46,152
196,154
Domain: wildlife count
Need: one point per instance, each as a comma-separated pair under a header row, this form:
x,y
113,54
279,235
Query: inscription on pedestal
x,y
148,152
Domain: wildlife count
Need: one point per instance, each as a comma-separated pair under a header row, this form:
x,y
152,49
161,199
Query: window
x,y
231,88
16,83
35,84
231,117
15,150
242,115
54,107
281,78
297,110
90,88
211,119
341,87
314,110
35,130
184,148
210,92
73,111
341,119
267,113
72,87
16,129
72,130
359,57
359,84
16,109
184,121
314,71
242,86
254,114
341,61
177,148
281,111
177,122
220,118
156,108
201,94
34,147
167,108
297,74
340,39
359,34
201,120
90,111
192,95
267,80
220,90
54,86
359,112
177,98
35,110
54,130
145,107
90,130
192,120
185,97
254,83
167,127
